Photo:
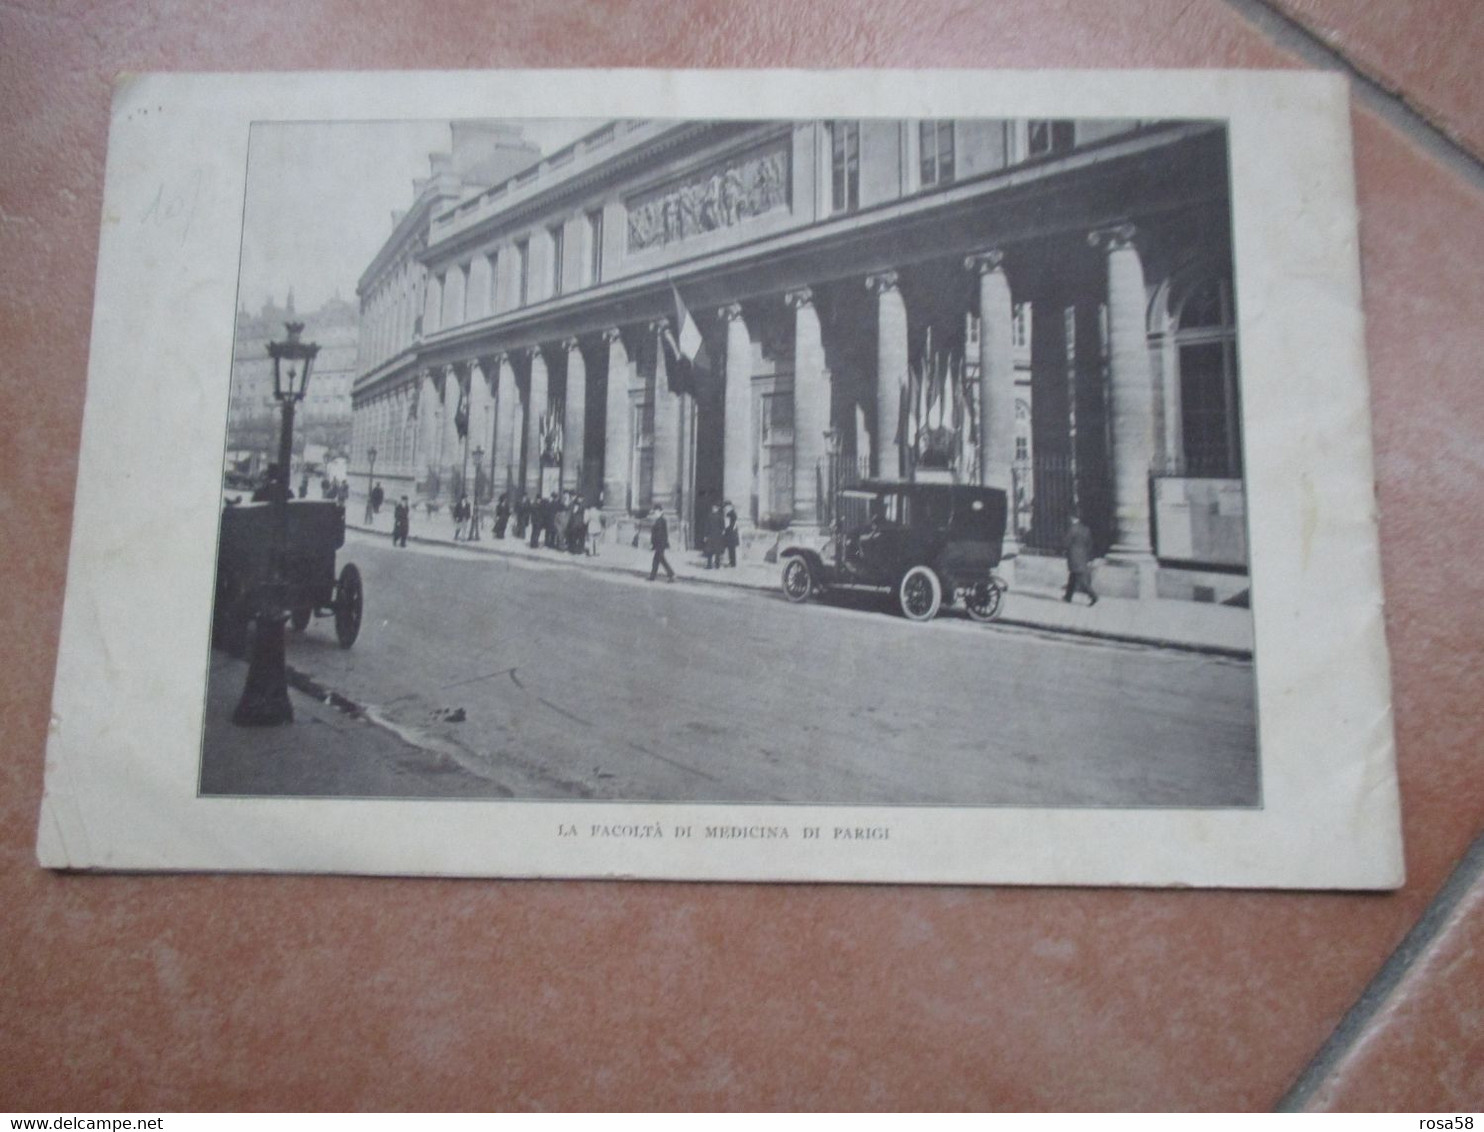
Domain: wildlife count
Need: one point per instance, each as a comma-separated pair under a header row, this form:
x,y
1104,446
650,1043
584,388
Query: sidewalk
x,y
1193,626
334,749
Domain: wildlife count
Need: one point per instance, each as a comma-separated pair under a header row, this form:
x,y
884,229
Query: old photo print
x,y
851,494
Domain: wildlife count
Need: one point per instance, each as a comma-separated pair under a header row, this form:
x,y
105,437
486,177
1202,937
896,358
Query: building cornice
x,y
890,235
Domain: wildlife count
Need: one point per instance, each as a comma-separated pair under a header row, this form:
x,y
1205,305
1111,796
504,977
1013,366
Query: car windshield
x,y
862,511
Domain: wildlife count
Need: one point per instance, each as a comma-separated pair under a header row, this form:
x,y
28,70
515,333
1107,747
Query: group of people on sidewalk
x,y
561,521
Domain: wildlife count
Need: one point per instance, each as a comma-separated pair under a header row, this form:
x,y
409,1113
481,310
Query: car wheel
x,y
798,582
984,601
919,594
348,598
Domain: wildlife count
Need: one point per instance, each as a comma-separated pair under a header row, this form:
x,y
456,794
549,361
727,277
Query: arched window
x,y
1210,401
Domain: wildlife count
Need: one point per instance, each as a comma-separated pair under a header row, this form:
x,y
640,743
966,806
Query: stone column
x,y
574,421
429,428
454,377
480,399
666,426
891,369
616,439
996,371
811,409
738,482
1131,400
536,406
502,383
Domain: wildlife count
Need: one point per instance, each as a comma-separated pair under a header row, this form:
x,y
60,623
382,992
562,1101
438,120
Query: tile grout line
x,y
1357,1021
1288,33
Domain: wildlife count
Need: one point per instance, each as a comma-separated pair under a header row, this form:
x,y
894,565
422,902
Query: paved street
x,y
514,677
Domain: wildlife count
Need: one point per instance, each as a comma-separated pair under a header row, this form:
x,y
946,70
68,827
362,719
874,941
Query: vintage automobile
x,y
926,543
249,537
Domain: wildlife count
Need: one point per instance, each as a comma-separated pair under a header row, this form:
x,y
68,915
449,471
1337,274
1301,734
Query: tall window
x,y
1046,136
935,150
595,246
845,166
492,303
558,245
523,272
1210,407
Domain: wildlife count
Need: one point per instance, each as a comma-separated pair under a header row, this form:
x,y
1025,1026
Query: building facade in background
x,y
674,313
322,427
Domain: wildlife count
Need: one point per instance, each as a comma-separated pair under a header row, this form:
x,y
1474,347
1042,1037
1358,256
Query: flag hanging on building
x,y
688,347
461,414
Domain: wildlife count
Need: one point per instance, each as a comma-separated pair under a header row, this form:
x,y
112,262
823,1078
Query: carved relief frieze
x,y
722,196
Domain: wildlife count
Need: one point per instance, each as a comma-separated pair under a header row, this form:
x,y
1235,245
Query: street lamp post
x,y
265,697
370,483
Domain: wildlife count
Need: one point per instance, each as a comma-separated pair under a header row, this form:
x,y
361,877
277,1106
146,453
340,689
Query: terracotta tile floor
x,y
156,993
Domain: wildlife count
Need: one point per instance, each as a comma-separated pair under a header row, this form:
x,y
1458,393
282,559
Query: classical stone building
x,y
872,297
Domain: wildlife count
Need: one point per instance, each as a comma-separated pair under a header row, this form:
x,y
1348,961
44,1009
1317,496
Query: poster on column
x,y
730,476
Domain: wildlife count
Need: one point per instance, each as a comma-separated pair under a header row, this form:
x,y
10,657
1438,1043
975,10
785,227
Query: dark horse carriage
x,y
927,543
245,570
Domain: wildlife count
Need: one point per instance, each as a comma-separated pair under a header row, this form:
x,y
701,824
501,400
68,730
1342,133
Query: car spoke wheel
x,y
984,601
798,583
920,594
348,600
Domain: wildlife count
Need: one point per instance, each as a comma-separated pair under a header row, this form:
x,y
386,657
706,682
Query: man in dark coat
x,y
401,521
714,535
1079,561
502,515
659,542
522,515
540,518
729,532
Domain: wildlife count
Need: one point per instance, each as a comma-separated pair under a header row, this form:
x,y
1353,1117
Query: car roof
x,y
904,487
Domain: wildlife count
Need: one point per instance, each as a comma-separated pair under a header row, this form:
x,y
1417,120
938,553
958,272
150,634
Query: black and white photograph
x,y
853,461
806,494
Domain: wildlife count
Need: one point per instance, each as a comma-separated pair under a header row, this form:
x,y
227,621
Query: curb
x,y
579,561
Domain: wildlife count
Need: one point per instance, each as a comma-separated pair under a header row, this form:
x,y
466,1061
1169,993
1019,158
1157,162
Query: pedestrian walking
x,y
576,528
729,531
460,514
540,516
401,521
1079,561
378,497
556,521
502,515
712,539
659,542
522,515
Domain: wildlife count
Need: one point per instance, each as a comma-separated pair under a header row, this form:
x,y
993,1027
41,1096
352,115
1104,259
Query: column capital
x,y
497,359
730,312
983,262
570,344
799,297
1114,238
612,335
882,281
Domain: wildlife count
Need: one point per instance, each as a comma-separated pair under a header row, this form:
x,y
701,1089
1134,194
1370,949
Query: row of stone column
x,y
388,316
1132,390
494,396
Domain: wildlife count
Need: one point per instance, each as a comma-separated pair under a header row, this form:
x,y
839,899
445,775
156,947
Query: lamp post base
x,y
265,697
